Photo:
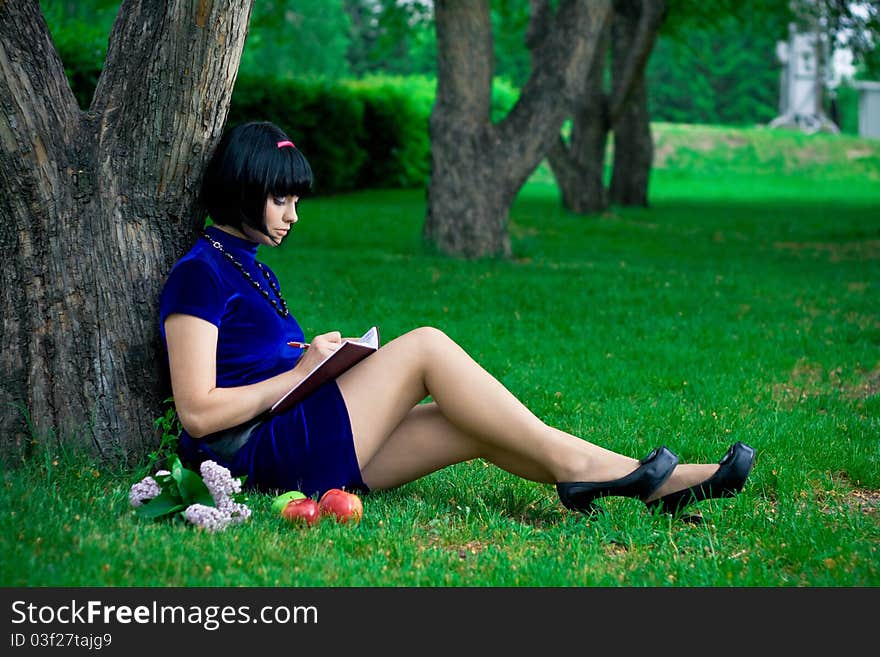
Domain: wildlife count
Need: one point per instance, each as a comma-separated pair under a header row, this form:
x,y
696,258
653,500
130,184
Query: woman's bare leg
x,y
425,441
480,418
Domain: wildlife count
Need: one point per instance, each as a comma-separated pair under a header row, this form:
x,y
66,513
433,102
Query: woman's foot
x,y
642,482
728,479
684,476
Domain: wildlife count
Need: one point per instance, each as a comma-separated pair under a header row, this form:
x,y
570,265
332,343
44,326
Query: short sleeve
x,y
193,288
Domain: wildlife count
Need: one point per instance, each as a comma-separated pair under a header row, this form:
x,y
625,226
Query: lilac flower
x,y
213,519
222,486
238,513
209,518
143,491
220,483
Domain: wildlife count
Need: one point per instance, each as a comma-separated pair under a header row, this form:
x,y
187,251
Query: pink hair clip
x,y
282,144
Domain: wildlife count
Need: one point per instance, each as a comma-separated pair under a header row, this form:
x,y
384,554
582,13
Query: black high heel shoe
x,y
728,480
655,468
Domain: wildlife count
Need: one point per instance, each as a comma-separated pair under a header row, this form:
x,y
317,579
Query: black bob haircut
x,y
248,167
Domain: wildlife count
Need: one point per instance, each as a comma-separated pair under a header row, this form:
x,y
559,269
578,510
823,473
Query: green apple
x,y
281,501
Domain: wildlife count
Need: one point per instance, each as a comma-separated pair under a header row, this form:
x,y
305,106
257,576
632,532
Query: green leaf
x,y
167,485
176,467
162,505
193,490
190,486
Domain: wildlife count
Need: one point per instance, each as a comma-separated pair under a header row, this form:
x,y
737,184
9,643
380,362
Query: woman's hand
x,y
204,408
320,347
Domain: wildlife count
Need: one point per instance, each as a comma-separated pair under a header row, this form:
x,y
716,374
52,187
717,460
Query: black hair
x,y
246,168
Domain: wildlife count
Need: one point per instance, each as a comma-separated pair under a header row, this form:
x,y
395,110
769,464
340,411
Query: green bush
x,y
725,73
395,131
848,108
325,121
357,134
367,133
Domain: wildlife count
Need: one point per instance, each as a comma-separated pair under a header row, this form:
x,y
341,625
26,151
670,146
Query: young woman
x,y
226,327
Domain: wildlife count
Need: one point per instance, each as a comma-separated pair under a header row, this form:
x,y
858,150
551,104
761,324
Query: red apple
x,y
342,505
281,501
302,510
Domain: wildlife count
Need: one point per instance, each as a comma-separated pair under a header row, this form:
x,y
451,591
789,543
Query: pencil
x,y
298,345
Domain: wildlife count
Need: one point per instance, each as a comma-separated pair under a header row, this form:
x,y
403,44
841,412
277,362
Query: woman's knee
x,y
422,346
429,337
430,342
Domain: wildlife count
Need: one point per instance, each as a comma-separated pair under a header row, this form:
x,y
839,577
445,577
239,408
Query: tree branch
x,y
159,57
562,58
35,96
651,16
540,23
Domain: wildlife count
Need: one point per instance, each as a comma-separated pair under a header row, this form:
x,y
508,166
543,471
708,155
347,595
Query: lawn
x,y
742,305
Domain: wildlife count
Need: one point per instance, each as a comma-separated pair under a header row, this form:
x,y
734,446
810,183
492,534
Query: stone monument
x,y
806,73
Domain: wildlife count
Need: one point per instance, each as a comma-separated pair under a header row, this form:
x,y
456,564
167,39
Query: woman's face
x,y
280,214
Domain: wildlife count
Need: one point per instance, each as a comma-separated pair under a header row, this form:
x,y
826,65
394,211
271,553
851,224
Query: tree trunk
x,y
633,151
477,168
97,206
579,167
634,33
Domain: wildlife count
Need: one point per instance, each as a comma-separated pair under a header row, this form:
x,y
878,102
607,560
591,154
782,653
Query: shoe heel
x,y
589,508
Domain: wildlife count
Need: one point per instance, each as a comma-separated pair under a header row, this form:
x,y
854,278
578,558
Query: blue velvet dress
x,y
309,447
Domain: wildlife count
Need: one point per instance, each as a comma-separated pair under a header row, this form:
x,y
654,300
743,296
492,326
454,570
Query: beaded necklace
x,y
280,309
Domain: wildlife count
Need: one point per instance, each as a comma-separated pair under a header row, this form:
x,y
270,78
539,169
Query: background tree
x,y
718,70
297,38
853,24
634,32
477,167
97,205
391,36
713,47
579,163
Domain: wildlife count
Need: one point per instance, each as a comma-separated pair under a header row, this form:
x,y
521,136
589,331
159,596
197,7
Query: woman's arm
x,y
204,408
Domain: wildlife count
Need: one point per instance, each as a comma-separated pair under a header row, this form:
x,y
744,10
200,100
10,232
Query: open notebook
x,y
350,353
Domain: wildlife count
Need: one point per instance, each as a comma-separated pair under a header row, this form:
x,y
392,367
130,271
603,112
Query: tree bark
x,y
634,32
635,29
633,152
97,206
579,165
478,167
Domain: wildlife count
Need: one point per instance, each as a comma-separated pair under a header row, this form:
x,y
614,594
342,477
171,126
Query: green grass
x,y
742,305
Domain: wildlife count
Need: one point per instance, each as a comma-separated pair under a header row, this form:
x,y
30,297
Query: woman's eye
x,y
280,200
